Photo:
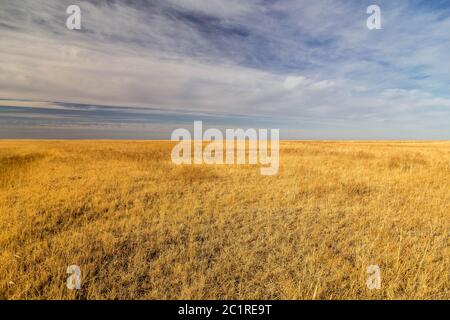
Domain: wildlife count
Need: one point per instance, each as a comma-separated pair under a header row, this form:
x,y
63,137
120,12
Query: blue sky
x,y
139,69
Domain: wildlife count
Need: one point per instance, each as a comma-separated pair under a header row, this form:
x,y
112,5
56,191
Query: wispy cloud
x,y
314,61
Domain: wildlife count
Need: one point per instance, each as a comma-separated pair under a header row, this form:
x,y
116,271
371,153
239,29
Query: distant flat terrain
x,y
140,227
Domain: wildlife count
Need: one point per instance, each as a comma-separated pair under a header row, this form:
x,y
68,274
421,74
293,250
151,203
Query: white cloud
x,y
289,58
293,82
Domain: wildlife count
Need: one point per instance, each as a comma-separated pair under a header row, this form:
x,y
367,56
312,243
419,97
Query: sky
x,y
139,69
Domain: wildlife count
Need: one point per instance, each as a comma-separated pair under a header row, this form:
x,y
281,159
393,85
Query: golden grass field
x,y
141,227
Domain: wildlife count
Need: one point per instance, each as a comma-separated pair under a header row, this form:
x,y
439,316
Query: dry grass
x,y
142,228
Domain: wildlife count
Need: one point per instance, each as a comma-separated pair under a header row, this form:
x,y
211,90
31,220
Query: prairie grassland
x,y
142,228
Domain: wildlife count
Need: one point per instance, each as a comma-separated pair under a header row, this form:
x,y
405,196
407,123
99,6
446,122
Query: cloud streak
x,y
311,61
